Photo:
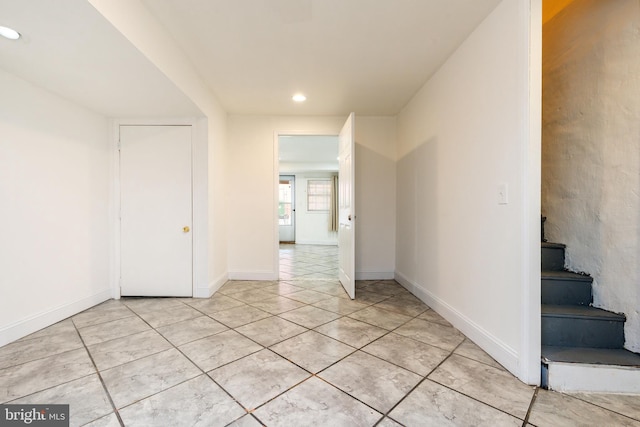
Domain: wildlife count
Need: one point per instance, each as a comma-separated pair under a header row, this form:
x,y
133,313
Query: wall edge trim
x,y
501,352
38,321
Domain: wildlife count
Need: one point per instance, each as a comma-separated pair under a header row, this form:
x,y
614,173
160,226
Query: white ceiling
x,y
70,49
308,149
366,56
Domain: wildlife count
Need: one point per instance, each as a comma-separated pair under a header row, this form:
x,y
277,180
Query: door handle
x,y
349,218
185,229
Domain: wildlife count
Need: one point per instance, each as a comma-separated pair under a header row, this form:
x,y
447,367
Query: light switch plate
x,y
503,194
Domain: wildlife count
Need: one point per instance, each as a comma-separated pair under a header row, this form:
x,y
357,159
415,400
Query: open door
x,y
346,215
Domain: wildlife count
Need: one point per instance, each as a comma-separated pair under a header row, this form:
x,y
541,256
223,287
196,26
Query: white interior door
x,y
287,208
346,215
155,211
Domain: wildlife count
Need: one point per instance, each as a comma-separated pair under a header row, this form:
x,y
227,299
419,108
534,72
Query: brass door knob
x,y
185,229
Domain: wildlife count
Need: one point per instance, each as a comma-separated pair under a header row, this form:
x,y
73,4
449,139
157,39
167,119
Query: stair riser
x,y
566,292
576,332
552,259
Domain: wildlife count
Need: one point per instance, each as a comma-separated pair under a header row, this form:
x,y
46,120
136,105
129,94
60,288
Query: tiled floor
x,y
296,352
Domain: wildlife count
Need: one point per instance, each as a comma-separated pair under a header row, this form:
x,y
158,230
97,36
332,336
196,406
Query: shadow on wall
x,y
418,236
375,205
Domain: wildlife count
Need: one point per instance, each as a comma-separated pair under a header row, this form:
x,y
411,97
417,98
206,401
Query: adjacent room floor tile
x,y
282,288
367,297
62,327
143,377
158,318
388,422
253,295
271,331
216,303
239,316
472,351
385,288
126,349
191,330
341,306
142,305
112,330
351,331
236,286
85,396
108,421
334,289
485,383
23,351
187,404
309,316
277,305
312,351
246,421
445,337
412,355
258,378
308,296
316,403
373,381
628,405
105,312
560,410
382,318
22,380
432,316
407,305
217,350
431,404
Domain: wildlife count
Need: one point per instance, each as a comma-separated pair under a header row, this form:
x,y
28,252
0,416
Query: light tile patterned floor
x,y
296,352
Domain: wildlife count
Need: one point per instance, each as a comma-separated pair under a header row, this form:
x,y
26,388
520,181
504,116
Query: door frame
x,y
276,194
199,188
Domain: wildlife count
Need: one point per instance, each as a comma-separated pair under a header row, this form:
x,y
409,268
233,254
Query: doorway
x,y
308,246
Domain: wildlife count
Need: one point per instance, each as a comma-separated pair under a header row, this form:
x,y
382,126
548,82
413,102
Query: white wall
x,y
55,190
252,174
462,135
312,228
591,158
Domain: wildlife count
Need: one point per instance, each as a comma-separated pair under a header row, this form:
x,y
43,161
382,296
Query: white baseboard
x,y
253,275
35,322
317,242
501,352
375,275
593,378
214,285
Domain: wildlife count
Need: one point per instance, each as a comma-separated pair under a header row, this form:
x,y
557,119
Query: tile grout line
x,y
104,385
530,408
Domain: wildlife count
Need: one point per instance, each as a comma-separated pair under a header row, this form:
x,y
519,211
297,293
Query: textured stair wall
x,y
591,152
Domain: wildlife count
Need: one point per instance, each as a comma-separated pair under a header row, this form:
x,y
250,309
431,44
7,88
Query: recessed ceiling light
x,y
9,33
298,97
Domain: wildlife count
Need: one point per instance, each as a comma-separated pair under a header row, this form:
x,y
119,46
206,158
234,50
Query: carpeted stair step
x,y
552,256
565,288
581,326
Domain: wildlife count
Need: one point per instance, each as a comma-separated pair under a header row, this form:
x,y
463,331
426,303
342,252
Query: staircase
x,y
582,346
